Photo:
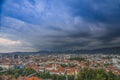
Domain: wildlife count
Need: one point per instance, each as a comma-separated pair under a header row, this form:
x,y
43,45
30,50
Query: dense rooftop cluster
x,y
66,66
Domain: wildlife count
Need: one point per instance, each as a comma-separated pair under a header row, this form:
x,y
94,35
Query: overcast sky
x,y
33,25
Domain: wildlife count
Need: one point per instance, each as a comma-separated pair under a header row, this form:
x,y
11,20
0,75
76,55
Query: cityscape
x,y
59,66
59,39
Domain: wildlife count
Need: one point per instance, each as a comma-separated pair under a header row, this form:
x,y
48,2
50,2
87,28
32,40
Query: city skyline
x,y
34,25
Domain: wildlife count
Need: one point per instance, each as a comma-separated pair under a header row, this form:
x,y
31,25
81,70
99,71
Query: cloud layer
x,y
59,25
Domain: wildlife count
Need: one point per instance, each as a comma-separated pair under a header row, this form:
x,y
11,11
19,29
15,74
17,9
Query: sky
x,y
34,25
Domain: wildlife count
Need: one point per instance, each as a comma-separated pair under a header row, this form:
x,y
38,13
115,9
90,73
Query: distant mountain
x,y
111,50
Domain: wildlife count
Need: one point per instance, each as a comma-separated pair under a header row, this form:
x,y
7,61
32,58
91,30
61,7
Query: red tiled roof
x,y
27,78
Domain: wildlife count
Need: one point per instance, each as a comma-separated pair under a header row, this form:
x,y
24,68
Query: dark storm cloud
x,y
64,24
101,11
112,33
65,45
54,28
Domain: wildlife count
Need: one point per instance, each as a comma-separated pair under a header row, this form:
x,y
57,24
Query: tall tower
x,y
13,57
114,61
